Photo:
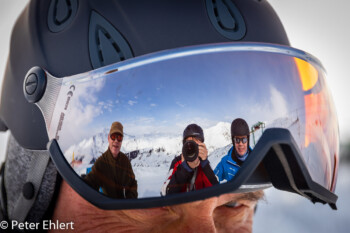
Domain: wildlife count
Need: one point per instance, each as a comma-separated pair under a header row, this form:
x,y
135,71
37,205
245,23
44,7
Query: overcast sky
x,y
321,28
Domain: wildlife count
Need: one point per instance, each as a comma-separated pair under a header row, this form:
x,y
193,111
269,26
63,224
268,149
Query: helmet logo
x,y
61,14
106,44
226,18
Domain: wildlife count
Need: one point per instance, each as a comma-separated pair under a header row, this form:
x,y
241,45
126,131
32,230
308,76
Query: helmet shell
x,y
64,39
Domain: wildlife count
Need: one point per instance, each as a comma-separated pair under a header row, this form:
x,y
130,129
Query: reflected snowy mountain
x,y
150,154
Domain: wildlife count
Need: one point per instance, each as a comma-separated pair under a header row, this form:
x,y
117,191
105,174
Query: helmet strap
x,y
34,178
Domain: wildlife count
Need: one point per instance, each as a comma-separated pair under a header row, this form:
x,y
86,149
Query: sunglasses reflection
x,y
112,172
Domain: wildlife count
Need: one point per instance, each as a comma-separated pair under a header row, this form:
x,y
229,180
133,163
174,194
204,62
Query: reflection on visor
x,y
155,97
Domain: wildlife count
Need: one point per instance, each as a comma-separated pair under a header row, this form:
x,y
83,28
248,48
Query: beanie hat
x,y
193,130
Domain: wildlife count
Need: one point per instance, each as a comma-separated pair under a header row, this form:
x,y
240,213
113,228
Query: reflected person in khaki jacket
x,y
112,171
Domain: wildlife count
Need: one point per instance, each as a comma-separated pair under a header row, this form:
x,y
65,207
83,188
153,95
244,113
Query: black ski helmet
x,y
193,130
239,127
70,37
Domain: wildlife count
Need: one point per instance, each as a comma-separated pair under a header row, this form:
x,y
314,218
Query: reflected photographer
x,y
191,170
112,171
233,160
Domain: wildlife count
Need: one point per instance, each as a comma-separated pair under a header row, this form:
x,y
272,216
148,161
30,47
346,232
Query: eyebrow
x,y
251,196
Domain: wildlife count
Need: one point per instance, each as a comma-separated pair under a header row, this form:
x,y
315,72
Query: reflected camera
x,y
190,150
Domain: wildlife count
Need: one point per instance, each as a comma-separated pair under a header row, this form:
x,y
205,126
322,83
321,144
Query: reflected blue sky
x,y
170,93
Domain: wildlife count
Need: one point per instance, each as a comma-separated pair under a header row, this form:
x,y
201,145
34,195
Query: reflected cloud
x,y
83,108
276,107
146,120
279,104
106,105
179,104
202,122
132,102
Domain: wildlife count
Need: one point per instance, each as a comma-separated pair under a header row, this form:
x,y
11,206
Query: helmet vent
x,y
61,14
226,18
106,44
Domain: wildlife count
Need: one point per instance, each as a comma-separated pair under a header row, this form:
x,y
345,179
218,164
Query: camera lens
x,y
190,150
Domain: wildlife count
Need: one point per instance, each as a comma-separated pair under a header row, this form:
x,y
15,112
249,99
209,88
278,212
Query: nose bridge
x,y
198,221
199,226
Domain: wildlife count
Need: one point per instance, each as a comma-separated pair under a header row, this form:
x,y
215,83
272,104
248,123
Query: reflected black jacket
x,y
114,176
180,175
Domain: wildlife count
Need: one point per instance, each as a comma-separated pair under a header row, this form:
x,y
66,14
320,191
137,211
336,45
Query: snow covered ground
x,y
286,212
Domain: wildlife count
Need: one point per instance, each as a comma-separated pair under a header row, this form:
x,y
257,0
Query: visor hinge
x,y
34,84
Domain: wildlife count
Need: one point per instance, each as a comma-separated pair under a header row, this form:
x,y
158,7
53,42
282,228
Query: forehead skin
x,y
210,215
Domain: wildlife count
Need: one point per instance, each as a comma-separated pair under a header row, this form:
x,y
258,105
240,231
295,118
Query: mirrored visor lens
x,y
157,96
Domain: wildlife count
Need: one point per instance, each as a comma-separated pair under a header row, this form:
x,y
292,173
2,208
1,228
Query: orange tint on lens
x,y
308,74
319,118
313,101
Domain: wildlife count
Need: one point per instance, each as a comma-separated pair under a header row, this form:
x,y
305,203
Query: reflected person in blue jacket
x,y
233,160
